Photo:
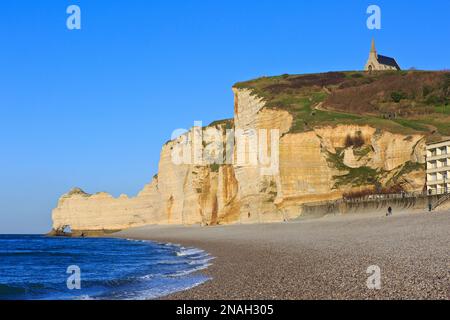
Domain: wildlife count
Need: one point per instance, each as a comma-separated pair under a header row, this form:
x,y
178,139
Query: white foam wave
x,y
201,261
182,273
189,252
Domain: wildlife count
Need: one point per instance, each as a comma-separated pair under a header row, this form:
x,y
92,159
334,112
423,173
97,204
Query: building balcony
x,y
438,157
439,169
437,182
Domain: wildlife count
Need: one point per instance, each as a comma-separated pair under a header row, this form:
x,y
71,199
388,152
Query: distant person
x,y
389,213
430,207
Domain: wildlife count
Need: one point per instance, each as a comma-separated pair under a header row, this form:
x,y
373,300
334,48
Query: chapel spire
x,y
373,49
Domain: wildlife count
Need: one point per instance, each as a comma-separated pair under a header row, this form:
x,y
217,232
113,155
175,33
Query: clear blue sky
x,y
92,108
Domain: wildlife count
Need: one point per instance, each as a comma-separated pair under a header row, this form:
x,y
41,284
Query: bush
x,y
357,75
446,85
398,96
426,91
435,100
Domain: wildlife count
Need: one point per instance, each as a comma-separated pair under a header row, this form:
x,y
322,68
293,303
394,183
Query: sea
x,y
35,267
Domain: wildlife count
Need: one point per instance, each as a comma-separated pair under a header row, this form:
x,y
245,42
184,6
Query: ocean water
x,y
36,268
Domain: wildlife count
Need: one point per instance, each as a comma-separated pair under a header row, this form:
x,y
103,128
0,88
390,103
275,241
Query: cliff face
x,y
179,194
321,163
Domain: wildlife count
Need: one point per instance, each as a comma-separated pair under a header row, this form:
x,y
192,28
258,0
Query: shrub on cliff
x,y
398,96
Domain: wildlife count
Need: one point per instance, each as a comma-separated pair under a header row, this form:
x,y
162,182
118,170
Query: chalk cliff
x,y
322,161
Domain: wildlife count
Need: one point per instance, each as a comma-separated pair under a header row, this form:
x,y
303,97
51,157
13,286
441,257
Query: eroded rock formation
x,y
319,164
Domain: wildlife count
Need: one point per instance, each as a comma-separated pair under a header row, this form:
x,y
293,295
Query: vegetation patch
x,y
362,151
336,160
354,177
214,167
397,96
403,102
225,123
407,168
357,177
415,125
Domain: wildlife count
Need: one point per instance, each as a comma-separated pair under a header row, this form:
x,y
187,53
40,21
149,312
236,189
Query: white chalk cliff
x,y
314,165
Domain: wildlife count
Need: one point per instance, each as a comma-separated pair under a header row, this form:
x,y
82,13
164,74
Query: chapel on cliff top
x,y
378,62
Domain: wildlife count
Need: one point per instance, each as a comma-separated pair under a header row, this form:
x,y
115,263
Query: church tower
x,y
373,50
372,63
378,62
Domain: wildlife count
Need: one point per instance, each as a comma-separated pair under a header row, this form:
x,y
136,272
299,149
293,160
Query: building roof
x,y
388,61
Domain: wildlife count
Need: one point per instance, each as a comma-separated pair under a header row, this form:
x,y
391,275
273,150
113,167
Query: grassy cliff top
x,y
399,101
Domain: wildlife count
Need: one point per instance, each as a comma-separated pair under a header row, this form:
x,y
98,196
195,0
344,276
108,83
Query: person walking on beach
x,y
389,213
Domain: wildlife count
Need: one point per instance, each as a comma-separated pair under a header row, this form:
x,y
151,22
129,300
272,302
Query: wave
x,y
172,262
159,282
201,261
110,268
182,273
189,252
145,294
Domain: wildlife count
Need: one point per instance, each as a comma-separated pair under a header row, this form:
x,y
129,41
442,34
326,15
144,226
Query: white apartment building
x,y
438,167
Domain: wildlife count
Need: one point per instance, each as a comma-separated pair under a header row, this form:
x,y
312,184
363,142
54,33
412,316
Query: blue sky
x,y
92,107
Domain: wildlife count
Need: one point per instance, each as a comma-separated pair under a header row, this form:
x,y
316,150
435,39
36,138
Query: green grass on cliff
x,y
406,102
355,177
444,108
225,123
367,176
362,151
405,169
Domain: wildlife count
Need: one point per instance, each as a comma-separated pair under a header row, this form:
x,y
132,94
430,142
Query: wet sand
x,y
325,258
